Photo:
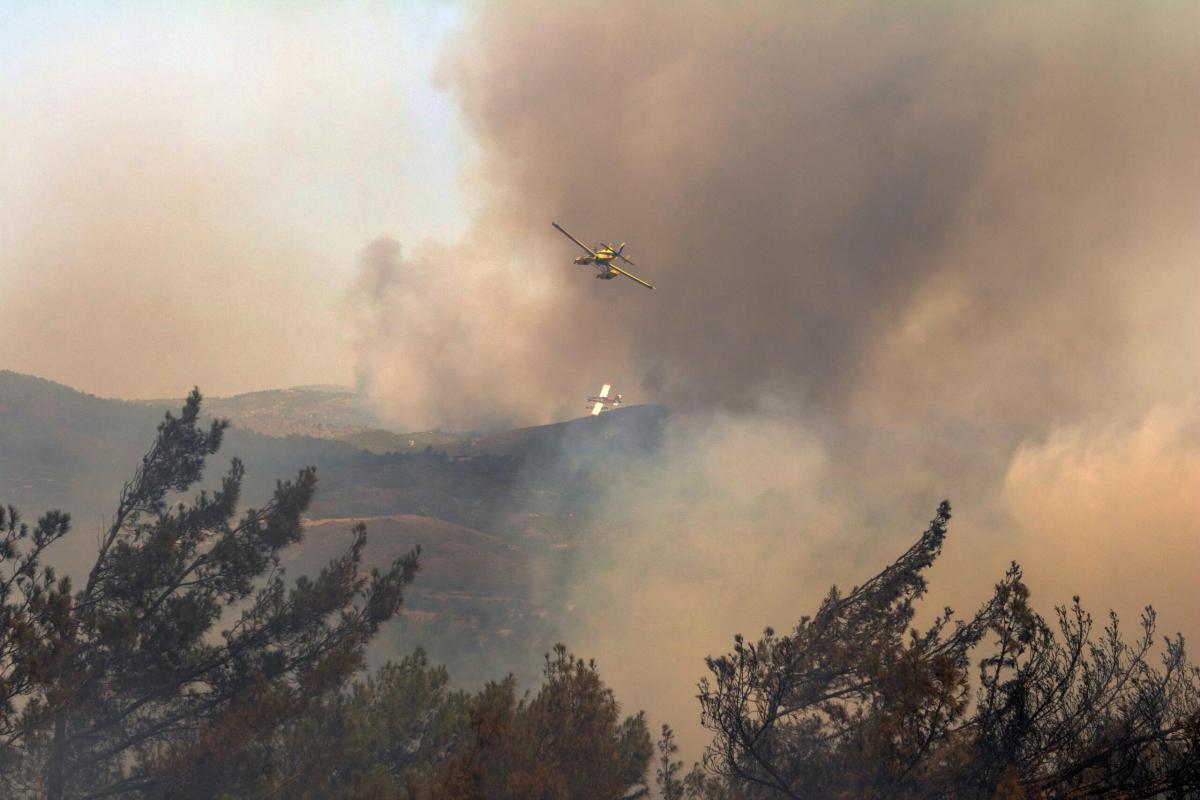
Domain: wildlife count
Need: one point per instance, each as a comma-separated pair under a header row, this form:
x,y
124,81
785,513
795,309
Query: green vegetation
x,y
403,733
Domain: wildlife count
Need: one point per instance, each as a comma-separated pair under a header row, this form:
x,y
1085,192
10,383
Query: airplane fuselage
x,y
603,256
600,261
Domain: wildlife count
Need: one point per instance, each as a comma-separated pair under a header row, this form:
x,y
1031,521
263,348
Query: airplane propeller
x,y
616,251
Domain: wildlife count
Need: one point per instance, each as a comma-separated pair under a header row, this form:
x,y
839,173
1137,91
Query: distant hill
x,y
490,511
337,413
58,447
321,411
67,449
64,448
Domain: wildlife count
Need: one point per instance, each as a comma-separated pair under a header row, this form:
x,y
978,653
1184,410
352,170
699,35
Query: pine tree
x,y
126,685
670,787
567,741
373,738
852,703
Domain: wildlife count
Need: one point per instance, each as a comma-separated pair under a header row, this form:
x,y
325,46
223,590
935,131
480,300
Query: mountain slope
x,y
322,412
499,517
60,448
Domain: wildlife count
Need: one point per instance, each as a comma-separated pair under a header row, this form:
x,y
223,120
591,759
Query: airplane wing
x,y
596,409
604,390
563,231
630,275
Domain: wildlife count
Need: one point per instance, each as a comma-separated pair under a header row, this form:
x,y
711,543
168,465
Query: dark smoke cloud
x,y
884,213
903,251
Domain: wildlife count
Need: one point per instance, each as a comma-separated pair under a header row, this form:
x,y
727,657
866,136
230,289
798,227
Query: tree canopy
x,y
855,703
126,684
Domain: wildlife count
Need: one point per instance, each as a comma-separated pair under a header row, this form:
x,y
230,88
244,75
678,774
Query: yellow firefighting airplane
x,y
602,259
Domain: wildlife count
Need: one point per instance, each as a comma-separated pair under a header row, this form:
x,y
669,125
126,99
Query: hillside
x,y
64,448
321,412
456,561
498,516
338,414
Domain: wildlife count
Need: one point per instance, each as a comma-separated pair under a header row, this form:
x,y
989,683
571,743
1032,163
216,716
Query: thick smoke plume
x,y
902,251
887,214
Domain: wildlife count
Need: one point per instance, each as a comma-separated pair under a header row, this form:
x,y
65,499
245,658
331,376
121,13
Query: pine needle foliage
x,y
186,645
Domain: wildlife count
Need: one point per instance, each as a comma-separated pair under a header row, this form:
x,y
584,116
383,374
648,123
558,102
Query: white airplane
x,y
603,402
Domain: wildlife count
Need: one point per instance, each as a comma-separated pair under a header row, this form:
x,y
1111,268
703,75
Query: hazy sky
x,y
882,205
185,187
